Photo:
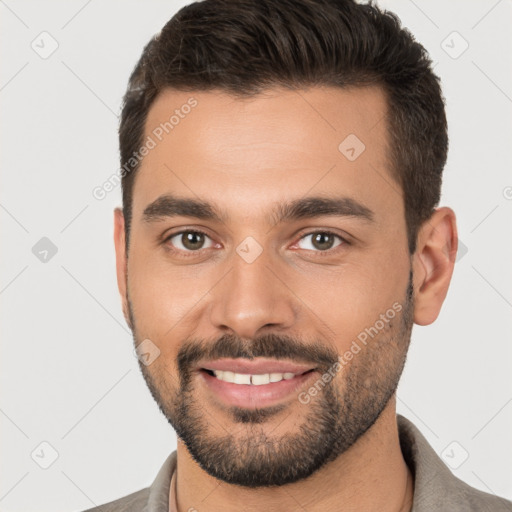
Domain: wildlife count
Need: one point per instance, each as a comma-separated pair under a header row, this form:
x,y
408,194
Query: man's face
x,y
310,287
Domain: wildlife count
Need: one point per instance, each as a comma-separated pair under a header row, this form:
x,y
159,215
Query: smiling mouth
x,y
252,391
253,379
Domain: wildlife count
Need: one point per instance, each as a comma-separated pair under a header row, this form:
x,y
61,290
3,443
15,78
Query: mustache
x,y
270,346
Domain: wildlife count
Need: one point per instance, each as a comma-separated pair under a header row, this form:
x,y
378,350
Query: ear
x,y
433,264
121,260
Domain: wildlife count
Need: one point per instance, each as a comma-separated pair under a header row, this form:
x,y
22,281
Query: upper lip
x,y
255,367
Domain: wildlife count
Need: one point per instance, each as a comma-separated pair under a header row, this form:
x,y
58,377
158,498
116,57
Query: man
x,y
279,236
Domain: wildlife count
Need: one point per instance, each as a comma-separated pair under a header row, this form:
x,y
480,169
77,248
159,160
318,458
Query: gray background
x,y
68,374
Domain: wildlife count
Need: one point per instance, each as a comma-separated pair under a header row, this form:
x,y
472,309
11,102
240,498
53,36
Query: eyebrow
x,y
168,206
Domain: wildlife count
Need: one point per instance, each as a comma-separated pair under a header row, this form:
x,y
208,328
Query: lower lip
x,y
251,396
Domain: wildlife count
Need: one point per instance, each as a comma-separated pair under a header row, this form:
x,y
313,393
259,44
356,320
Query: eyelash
x,y
187,254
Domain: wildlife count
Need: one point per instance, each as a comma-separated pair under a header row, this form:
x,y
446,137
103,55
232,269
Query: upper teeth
x,y
257,380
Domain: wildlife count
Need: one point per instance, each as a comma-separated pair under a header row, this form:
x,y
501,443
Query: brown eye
x,y
322,241
189,241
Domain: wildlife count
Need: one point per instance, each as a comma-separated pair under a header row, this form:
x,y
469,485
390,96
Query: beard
x,y
331,422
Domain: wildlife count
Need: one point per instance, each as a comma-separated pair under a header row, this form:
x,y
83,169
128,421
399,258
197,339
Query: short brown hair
x,y
246,46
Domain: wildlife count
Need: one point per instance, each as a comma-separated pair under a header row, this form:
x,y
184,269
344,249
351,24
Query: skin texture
x,y
297,298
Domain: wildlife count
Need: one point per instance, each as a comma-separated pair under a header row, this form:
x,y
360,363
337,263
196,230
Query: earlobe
x,y
121,259
433,264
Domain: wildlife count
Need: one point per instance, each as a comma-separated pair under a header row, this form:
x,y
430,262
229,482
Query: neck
x,y
371,476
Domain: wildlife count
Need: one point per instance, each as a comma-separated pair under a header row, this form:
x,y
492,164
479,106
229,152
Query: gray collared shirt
x,y
436,489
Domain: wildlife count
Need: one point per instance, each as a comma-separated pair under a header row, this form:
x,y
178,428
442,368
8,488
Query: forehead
x,y
275,145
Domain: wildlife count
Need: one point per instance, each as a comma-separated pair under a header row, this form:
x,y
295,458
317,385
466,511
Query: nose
x,y
251,298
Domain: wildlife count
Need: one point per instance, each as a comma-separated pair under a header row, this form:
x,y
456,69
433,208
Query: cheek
x,y
162,294
347,302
